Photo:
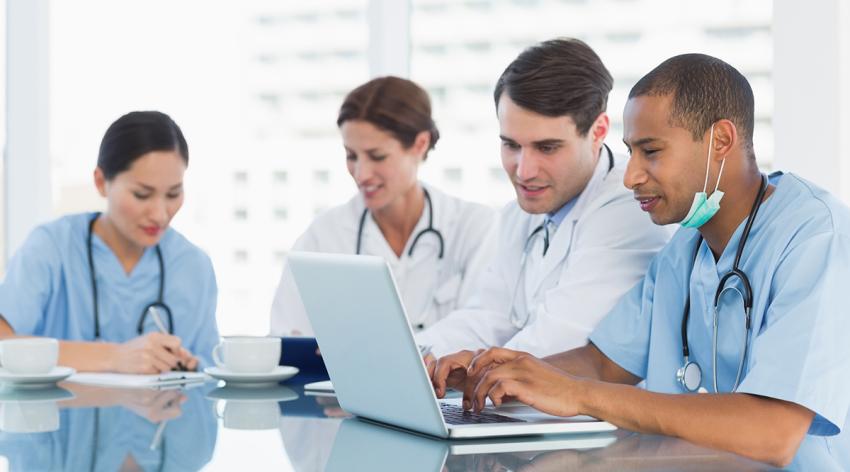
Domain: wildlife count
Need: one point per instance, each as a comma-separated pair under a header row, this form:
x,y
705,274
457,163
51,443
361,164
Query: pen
x,y
154,312
157,435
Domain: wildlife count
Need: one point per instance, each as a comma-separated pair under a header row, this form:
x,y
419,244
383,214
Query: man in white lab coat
x,y
574,241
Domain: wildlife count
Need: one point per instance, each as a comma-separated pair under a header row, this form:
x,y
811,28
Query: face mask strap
x,y
722,163
708,161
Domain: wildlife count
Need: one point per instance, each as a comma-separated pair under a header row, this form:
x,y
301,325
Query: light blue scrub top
x,y
797,258
47,289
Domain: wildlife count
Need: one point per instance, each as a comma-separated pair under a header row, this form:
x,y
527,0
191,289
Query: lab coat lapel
x,y
561,243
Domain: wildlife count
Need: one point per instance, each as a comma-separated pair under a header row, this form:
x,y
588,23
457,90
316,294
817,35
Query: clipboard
x,y
168,379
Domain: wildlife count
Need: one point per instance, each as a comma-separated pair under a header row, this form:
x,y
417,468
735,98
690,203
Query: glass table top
x,y
209,426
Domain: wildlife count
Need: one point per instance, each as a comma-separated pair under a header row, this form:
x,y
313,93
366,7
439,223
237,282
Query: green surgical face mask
x,y
703,207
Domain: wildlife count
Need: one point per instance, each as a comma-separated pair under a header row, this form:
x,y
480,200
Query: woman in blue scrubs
x,y
121,290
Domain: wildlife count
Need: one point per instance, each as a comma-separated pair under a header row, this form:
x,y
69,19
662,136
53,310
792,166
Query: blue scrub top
x,y
797,258
47,290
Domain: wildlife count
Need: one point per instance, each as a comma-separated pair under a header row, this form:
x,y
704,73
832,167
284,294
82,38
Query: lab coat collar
x,y
561,241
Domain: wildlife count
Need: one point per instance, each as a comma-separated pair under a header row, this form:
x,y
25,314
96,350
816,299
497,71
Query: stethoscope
x,y
429,229
159,304
157,443
689,375
518,321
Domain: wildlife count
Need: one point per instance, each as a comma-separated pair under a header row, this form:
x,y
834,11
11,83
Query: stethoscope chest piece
x,y
689,376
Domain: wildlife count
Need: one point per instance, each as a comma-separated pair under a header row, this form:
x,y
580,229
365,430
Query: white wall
x,y
812,95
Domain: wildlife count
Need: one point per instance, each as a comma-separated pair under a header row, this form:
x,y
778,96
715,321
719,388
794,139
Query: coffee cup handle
x,y
217,357
215,410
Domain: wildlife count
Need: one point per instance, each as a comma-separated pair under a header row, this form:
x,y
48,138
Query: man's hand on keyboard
x,y
504,375
449,371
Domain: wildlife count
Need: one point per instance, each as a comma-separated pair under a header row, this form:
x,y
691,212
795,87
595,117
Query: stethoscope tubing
x,y
429,229
158,303
746,294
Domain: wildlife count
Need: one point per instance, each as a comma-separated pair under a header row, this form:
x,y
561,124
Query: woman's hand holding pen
x,y
152,353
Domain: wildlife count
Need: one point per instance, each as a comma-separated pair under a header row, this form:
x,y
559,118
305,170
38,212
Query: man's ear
x,y
725,139
599,129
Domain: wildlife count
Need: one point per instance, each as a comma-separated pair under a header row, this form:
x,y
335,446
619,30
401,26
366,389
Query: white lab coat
x,y
599,251
430,288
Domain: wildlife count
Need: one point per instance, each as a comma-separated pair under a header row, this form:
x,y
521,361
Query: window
x,y
498,174
322,176
470,58
280,177
281,214
453,174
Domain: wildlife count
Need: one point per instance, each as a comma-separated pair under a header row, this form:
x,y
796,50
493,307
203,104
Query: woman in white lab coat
x,y
431,240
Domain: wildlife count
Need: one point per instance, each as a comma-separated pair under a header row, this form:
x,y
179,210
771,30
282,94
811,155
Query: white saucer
x,y
278,393
52,393
35,380
238,379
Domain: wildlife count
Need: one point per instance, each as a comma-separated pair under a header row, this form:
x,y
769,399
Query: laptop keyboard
x,y
454,414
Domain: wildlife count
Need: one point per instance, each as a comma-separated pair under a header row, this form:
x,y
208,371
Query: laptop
x,y
374,363
395,450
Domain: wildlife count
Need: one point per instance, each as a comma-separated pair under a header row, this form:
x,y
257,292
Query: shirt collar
x,y
557,217
602,168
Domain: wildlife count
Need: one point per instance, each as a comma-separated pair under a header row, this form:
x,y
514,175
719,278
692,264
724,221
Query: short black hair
x,y
704,89
559,77
136,134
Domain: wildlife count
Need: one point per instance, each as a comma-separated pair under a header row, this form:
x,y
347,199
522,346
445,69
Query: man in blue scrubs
x,y
773,381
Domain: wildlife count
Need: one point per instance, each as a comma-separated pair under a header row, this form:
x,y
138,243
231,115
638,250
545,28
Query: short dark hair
x,y
395,105
559,77
136,134
704,89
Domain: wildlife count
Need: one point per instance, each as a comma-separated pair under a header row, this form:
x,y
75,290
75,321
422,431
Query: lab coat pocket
x,y
445,296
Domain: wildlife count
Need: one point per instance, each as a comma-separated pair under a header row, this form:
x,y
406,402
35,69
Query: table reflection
x,y
117,429
78,427
250,408
389,449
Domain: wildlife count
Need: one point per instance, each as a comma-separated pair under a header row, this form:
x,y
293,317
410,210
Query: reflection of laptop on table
x,y
375,365
362,446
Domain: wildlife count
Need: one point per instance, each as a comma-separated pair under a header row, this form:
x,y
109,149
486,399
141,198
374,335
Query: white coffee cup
x,y
247,354
29,417
250,414
29,355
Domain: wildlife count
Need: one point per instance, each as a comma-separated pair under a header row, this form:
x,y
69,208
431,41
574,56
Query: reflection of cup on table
x,y
29,417
29,355
247,354
248,414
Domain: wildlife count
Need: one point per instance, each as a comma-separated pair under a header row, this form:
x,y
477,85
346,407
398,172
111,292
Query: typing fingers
x,y
430,364
444,367
471,383
489,380
493,355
